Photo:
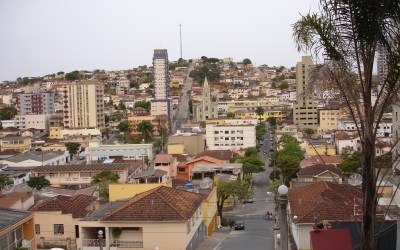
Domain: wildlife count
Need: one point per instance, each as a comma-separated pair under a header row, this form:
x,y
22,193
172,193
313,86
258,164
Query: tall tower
x,y
305,112
161,103
84,105
206,101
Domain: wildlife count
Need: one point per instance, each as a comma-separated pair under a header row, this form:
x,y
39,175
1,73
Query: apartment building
x,y
84,105
160,105
158,122
230,137
35,103
328,120
305,109
39,122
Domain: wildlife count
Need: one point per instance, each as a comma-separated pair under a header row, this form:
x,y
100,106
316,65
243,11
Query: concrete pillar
x,y
398,227
283,221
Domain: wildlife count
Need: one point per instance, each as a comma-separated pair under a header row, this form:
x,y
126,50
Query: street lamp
x,y
100,234
283,191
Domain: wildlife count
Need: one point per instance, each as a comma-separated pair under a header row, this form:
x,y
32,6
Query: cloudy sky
x,y
46,36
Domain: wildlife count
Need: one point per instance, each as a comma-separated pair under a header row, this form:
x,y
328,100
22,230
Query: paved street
x,y
258,233
182,113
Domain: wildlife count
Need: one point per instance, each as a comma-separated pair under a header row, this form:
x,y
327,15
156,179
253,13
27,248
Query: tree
x,y
272,121
260,112
285,139
283,85
7,113
233,189
4,181
124,127
246,61
309,131
38,183
103,179
249,169
143,104
146,128
230,115
348,34
121,106
72,76
72,148
288,166
251,151
260,132
352,163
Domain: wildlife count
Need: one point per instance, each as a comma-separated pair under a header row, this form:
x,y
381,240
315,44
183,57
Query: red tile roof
x,y
8,200
159,204
224,155
205,158
346,135
77,205
334,159
326,201
163,158
318,169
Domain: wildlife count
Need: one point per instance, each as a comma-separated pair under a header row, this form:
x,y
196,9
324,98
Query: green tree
x,y
103,179
251,151
38,183
272,121
72,148
309,131
7,113
246,61
72,76
260,112
121,106
260,132
251,160
348,34
283,85
124,127
288,166
232,189
143,104
285,139
4,181
293,149
146,128
352,163
230,115
249,169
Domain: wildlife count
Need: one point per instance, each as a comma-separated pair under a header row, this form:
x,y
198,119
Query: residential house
x,y
218,171
223,155
318,172
139,111
332,160
150,176
185,169
318,202
16,200
167,163
17,229
124,152
178,225
78,175
121,191
13,142
38,158
10,131
57,220
16,175
347,141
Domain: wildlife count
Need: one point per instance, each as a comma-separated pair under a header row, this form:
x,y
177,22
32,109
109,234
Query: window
x,y
37,228
58,228
76,231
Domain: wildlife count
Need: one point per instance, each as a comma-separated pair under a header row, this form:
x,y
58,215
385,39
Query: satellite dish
x,y
207,182
355,179
236,171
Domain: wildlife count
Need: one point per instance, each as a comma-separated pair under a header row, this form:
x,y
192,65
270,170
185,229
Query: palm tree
x,y
146,128
348,34
260,112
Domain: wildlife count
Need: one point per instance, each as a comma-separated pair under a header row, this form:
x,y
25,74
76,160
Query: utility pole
x,y
180,37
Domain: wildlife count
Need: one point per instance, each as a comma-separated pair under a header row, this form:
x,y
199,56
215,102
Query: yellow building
x,y
158,122
328,119
18,143
127,191
55,132
313,150
241,114
174,85
210,211
57,220
176,148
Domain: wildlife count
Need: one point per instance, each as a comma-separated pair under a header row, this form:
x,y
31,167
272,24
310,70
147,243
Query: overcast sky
x,y
46,36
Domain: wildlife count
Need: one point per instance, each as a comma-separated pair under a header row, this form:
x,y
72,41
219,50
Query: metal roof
x,y
10,217
118,152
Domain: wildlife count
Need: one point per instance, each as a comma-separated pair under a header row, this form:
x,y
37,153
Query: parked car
x,y
239,225
249,200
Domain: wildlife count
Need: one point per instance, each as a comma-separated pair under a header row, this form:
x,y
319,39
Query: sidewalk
x,y
213,241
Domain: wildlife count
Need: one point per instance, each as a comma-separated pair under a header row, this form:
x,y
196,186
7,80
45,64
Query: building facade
x,y
205,109
35,103
230,137
84,105
160,105
305,109
39,122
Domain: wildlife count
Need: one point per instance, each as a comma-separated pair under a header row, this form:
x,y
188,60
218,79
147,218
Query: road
x,y
258,233
182,113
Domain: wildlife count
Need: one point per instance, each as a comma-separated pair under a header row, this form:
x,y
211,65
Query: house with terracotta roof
x,y
317,172
161,218
319,202
57,220
185,169
166,162
16,200
349,140
333,160
223,155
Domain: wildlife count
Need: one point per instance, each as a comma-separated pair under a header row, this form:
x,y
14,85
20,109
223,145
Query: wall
x,y
210,212
125,191
194,143
320,150
176,149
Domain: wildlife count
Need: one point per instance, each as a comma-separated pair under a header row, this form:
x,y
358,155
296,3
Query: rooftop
x,y
224,155
10,217
82,167
317,169
7,200
36,156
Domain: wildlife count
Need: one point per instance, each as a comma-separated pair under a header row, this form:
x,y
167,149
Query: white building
x,y
160,105
8,123
230,137
347,140
40,122
128,151
84,105
37,158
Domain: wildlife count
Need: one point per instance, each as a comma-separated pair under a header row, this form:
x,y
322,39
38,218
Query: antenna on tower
x,y
180,37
